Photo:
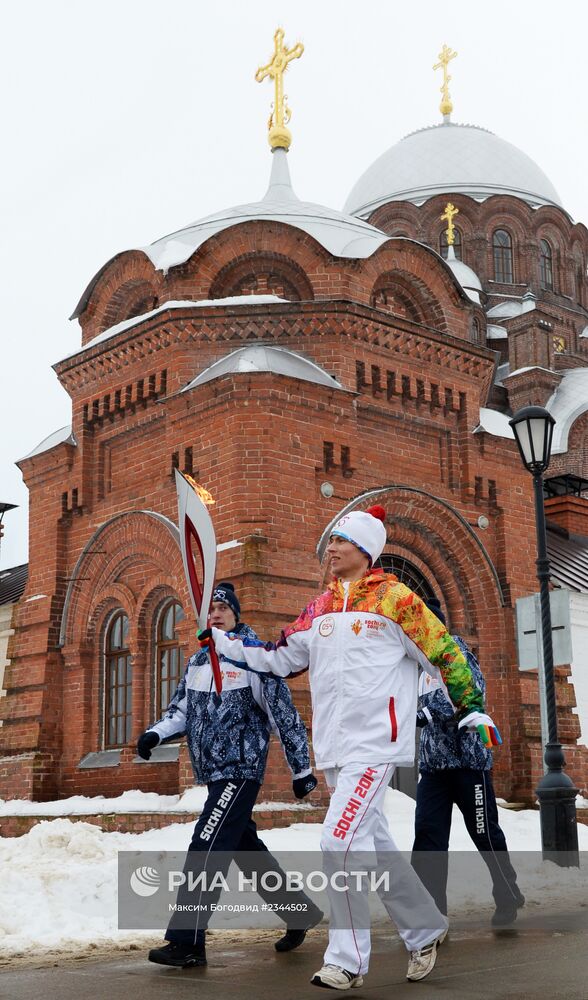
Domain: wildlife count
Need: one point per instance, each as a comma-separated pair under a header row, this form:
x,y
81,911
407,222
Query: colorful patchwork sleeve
x,y
429,642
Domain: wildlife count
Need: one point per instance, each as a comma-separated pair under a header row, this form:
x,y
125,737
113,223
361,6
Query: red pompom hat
x,y
365,528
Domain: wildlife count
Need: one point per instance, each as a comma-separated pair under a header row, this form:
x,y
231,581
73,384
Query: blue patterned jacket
x,y
228,734
441,749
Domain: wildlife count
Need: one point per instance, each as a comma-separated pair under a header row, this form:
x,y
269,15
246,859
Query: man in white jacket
x,y
362,641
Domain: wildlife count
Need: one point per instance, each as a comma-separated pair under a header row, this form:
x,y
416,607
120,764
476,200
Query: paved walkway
x,y
533,961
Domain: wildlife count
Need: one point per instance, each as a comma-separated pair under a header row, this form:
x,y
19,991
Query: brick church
x,y
297,360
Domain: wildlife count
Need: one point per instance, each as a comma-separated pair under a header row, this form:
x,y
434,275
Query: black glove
x,y
421,719
449,724
304,786
146,742
204,635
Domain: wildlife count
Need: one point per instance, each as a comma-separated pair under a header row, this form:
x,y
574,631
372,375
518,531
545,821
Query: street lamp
x,y
533,431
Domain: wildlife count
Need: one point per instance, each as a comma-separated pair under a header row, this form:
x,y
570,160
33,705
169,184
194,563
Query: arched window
x,y
407,573
443,245
546,265
169,655
502,248
118,678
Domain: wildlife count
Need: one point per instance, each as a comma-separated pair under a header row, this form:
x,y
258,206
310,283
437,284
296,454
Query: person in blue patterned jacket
x,y
455,768
228,740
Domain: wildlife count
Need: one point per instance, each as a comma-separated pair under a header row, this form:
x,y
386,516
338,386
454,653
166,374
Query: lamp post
x,y
533,431
4,507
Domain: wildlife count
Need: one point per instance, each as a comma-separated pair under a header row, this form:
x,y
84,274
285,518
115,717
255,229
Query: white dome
x,y
263,358
467,278
452,158
341,235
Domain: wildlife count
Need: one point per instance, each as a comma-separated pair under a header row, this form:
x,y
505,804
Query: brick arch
x,y
193,278
151,600
575,457
120,598
404,294
133,298
505,212
396,547
466,221
123,288
399,294
133,552
395,217
262,273
435,535
557,221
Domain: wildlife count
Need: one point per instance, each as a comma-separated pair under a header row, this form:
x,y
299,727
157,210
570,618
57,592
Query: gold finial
x,y
279,136
445,57
448,216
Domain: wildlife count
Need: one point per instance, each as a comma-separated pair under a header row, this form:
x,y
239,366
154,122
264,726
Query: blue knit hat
x,y
225,592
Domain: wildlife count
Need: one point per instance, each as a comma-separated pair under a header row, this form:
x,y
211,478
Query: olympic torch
x,y
197,537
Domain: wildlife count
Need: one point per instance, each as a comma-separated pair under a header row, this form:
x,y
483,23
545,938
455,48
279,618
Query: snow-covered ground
x,y
58,887
191,801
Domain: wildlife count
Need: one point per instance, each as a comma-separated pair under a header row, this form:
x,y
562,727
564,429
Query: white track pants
x,y
355,822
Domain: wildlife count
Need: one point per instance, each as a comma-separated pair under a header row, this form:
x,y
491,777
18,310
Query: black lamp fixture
x,y
533,430
3,508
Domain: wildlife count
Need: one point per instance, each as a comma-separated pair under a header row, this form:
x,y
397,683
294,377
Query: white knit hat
x,y
365,529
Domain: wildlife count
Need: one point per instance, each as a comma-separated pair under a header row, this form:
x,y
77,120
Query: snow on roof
x,y
502,372
494,332
513,307
342,235
64,434
567,403
126,324
261,358
493,422
449,157
467,278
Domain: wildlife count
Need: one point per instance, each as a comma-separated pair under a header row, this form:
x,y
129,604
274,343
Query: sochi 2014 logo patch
x,y
356,627
326,627
342,521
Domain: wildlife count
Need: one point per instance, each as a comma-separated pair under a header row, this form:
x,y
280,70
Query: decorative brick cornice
x,y
294,322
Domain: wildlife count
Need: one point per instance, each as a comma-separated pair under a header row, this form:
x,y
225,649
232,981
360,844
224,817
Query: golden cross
x,y
279,135
445,57
448,216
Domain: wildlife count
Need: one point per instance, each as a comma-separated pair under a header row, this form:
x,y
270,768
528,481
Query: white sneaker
x,y
422,962
333,977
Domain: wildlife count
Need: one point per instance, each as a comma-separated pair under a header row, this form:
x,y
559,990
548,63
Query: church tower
x,y
298,361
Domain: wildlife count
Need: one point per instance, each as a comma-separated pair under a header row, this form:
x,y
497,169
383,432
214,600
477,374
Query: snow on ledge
x,y
495,332
134,801
531,368
493,422
233,544
126,324
64,434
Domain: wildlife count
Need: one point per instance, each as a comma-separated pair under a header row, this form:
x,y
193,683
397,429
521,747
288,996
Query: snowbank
x,y
58,889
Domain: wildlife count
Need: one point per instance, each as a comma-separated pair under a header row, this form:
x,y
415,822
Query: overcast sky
x,y
124,120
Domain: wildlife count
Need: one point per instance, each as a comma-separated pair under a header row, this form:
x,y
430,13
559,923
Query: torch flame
x,y
204,495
